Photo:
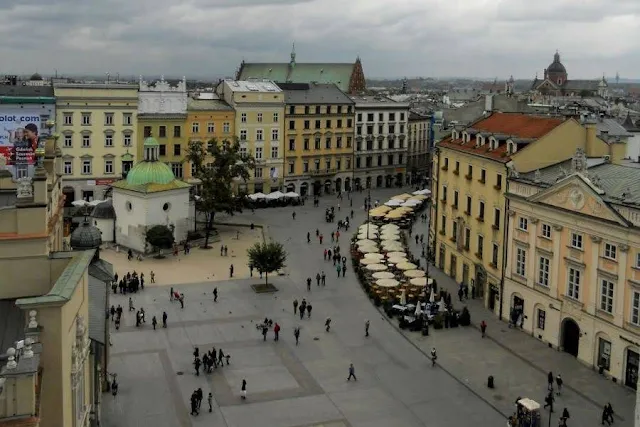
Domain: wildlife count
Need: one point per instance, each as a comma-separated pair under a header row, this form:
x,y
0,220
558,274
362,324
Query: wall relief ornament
x,y
596,239
577,198
25,188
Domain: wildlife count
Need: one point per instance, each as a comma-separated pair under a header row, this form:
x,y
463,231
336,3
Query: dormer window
x,y
493,143
465,137
454,135
479,141
512,147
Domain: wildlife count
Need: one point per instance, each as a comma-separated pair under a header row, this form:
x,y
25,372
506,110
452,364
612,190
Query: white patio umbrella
x,y
383,275
387,236
374,256
396,254
432,297
424,192
376,267
365,235
393,247
407,266
414,273
390,227
257,196
292,194
403,196
365,242
275,195
366,226
411,203
420,197
390,242
418,311
369,261
393,202
387,283
368,249
397,260
418,281
96,202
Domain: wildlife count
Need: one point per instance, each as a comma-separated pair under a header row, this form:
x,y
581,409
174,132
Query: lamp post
x,y
196,199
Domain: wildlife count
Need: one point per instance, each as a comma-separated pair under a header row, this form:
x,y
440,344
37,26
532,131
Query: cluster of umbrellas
x,y
274,196
399,206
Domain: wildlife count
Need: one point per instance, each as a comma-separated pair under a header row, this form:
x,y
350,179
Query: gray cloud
x,y
209,38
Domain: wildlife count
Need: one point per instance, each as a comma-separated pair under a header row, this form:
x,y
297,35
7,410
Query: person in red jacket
x,y
276,332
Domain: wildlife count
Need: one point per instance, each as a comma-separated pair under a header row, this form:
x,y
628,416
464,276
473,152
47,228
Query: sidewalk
x,y
585,390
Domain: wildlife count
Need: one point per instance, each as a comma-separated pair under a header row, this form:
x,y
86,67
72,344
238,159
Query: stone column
x,y
594,280
556,262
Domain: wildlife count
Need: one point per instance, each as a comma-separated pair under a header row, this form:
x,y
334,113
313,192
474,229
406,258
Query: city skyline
x,y
210,38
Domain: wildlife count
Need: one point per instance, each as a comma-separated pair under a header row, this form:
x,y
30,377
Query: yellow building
x,y
53,345
319,138
470,174
208,119
259,107
97,125
572,274
170,129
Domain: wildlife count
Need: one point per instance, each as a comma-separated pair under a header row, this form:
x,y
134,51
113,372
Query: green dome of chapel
x,y
150,173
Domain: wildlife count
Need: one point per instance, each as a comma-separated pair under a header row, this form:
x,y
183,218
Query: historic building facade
x,y
381,142
97,125
418,149
319,123
162,115
259,107
573,261
469,215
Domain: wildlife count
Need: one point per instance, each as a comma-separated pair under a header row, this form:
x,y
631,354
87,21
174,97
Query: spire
x,y
556,57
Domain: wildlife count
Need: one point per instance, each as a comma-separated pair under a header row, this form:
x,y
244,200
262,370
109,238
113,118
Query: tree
x,y
216,178
160,236
585,93
267,257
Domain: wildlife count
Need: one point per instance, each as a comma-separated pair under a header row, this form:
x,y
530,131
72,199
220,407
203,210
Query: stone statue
x,y
537,176
579,162
25,189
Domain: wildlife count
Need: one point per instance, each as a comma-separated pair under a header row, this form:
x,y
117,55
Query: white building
x,y
381,142
162,98
150,195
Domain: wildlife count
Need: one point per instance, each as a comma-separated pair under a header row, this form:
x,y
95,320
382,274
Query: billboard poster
x,y
21,132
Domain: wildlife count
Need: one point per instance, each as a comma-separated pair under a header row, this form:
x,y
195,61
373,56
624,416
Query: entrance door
x,y
480,281
570,337
631,373
442,254
304,189
493,295
465,274
453,268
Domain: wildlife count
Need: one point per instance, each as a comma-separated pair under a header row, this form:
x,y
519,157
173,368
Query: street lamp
x,y
196,199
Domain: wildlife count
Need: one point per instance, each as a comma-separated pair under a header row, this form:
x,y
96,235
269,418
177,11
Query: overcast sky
x,y
394,38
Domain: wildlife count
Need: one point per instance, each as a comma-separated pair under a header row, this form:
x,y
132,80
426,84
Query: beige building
x,y
418,150
572,274
97,125
259,118
54,340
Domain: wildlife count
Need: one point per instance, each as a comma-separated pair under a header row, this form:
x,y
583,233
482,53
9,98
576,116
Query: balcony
x,y
321,172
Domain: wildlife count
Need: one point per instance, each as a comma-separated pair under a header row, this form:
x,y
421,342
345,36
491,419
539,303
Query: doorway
x,y
570,336
338,185
465,274
453,267
304,189
631,372
493,296
441,257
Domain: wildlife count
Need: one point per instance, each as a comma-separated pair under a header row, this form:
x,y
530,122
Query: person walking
x,y
265,330
293,215
434,357
154,322
323,278
327,324
483,328
565,416
296,334
352,373
548,401
276,332
344,269
243,390
210,401
607,414
366,328
308,237
318,279
194,403
295,306
131,307
559,383
338,269
231,270
164,319
170,294
153,276
309,307
308,283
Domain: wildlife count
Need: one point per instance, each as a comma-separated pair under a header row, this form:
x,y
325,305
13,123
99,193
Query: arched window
x,y
511,147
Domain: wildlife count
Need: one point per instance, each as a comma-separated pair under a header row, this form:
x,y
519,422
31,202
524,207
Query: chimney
x,y
590,142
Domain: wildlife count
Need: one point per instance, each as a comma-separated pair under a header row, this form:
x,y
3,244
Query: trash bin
x,y
490,381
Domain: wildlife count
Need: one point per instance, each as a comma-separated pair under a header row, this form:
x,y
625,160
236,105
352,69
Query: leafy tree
x,y
267,257
585,93
160,236
216,178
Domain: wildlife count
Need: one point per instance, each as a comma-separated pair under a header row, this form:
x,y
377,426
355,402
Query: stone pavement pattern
x,y
306,385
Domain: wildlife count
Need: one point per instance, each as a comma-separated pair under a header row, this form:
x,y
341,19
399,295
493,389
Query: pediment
x,y
578,195
547,84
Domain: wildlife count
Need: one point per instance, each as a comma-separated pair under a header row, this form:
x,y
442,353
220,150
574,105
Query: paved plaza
x,y
306,385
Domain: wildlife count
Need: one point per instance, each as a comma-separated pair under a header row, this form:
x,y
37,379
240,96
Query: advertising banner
x,y
20,135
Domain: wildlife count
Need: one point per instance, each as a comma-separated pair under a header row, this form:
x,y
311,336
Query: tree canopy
x,y
160,236
216,193
267,257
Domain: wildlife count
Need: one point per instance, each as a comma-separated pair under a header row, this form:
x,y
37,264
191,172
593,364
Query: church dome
x,y
86,237
104,210
556,66
150,173
36,76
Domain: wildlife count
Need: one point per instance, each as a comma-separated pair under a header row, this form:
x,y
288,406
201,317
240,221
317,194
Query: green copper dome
x,y
151,142
150,173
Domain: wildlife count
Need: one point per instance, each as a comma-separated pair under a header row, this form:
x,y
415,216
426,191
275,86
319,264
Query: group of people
x,y
209,360
196,401
130,282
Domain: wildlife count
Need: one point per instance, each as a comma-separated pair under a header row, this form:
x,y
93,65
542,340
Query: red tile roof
x,y
515,125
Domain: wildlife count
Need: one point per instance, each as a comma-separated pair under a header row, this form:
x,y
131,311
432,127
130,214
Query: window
x,y
454,231
305,166
546,231
498,182
259,118
211,127
576,240
444,193
317,124
480,246
521,262
316,164
339,124
258,153
292,109
483,176
604,353
327,164
496,218
226,127
108,167
243,150
638,260
481,211
318,109
467,238
108,119
86,119
544,264
108,140
306,144
338,164
243,118
468,211
162,150
126,119
276,117
327,143
86,166
243,135
127,140
359,117
68,119
68,167
68,141
348,142
162,132
306,109
328,124
274,152
635,308
86,141
338,142
494,254
275,134
292,144
257,172
455,199
469,172
292,167
328,109
176,131
349,123
606,296
443,227
307,124
176,149
457,169
292,125
317,143
195,127
259,135
542,317
176,168
573,286
446,163
610,251
523,223
370,117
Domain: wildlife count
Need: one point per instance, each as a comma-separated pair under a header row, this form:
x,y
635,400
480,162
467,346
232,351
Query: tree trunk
x,y
266,278
208,230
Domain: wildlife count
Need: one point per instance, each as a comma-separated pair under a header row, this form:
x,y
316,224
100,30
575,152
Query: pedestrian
x,y
325,254
352,373
196,364
112,311
321,238
559,383
220,356
338,269
366,328
194,403
243,390
483,328
308,237
344,269
607,414
200,397
434,357
293,215
231,270
153,276
171,294
250,270
164,319
323,278
131,307
210,401
215,294
276,332
181,299
296,334
318,278
309,307
295,305
548,401
565,416
550,381
154,322
460,293
265,330
308,283
327,324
